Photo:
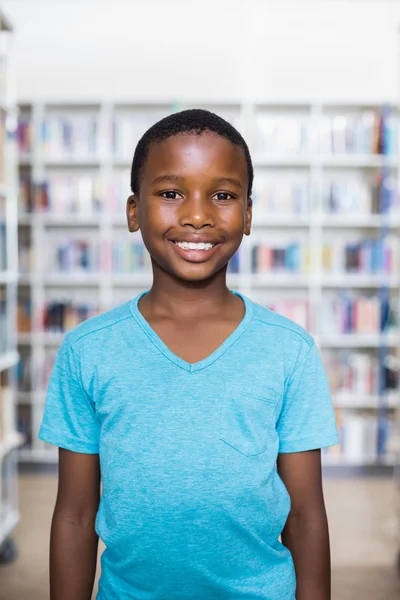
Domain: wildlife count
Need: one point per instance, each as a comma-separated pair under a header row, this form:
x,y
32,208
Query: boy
x,y
204,412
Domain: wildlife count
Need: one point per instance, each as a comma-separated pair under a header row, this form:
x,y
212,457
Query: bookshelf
x,y
10,440
325,248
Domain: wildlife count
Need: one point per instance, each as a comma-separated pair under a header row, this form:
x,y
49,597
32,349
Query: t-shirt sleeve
x,y
307,419
69,420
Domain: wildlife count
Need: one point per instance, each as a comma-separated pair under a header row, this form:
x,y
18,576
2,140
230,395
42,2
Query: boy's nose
x,y
197,212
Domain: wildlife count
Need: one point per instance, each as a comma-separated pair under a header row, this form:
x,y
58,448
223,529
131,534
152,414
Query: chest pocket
x,y
246,421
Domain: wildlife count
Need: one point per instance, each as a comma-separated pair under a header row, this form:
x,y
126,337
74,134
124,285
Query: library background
x,y
325,247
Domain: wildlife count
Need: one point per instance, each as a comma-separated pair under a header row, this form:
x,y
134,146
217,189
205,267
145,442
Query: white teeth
x,y
193,246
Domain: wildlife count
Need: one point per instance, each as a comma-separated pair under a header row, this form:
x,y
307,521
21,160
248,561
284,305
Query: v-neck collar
x,y
177,360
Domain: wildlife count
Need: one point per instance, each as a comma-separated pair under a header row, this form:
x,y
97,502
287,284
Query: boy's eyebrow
x,y
231,180
164,178
219,180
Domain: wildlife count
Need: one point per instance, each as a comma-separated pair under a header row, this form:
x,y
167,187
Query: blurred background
x,y
314,87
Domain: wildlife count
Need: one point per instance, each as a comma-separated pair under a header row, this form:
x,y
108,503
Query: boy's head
x,y
196,122
191,180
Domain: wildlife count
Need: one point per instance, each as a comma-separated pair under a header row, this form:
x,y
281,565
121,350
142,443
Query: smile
x,y
195,246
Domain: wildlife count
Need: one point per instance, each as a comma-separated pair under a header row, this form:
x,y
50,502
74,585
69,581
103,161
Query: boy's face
x,y
193,190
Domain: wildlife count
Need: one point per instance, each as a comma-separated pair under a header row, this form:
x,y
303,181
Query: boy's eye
x,y
171,195
223,196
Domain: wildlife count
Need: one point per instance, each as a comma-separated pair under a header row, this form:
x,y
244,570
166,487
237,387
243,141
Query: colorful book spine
x,y
347,314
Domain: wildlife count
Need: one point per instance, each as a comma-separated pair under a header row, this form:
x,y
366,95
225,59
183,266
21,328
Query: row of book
x,y
90,195
367,256
59,317
358,196
363,437
358,373
90,254
79,134
29,376
63,194
348,313
292,258
79,255
297,310
368,132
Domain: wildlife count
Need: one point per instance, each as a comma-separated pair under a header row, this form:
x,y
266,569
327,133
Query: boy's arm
x,y
306,531
73,545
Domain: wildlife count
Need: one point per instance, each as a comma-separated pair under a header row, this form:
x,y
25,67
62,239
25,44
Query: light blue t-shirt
x,y
192,505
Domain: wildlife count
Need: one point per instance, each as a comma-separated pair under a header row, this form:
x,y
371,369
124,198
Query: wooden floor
x,y
363,538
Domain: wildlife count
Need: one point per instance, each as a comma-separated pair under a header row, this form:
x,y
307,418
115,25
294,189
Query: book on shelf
x,y
357,195
292,258
281,196
24,134
366,256
62,316
128,128
23,373
24,424
368,132
78,255
348,313
24,315
282,135
69,136
297,310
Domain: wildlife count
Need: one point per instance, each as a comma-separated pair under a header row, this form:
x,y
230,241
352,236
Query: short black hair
x,y
194,121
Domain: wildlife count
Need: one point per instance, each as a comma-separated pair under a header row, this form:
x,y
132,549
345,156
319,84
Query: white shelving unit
x,y
10,440
308,162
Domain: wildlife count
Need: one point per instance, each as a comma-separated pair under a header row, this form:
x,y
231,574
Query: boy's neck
x,y
170,296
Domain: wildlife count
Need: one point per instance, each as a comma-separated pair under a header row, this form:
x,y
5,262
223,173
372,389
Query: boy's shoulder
x,y
102,322
268,318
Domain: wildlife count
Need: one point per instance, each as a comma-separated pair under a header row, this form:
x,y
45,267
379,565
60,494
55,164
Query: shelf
x,y
349,400
11,442
8,277
32,397
47,339
283,280
8,360
362,161
332,221
38,456
360,341
366,461
357,161
346,280
7,522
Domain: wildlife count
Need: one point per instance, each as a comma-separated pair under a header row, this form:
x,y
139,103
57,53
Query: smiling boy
x,y
201,413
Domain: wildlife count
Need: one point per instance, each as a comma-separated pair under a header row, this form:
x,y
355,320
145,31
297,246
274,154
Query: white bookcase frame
x,y
316,224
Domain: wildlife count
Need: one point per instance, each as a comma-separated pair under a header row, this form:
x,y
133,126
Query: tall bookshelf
x,y
325,247
9,438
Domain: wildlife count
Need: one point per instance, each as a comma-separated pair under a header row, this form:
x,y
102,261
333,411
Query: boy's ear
x,y
132,213
248,217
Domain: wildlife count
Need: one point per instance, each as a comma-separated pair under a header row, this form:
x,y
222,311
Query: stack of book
x,y
23,373
73,255
24,315
125,257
